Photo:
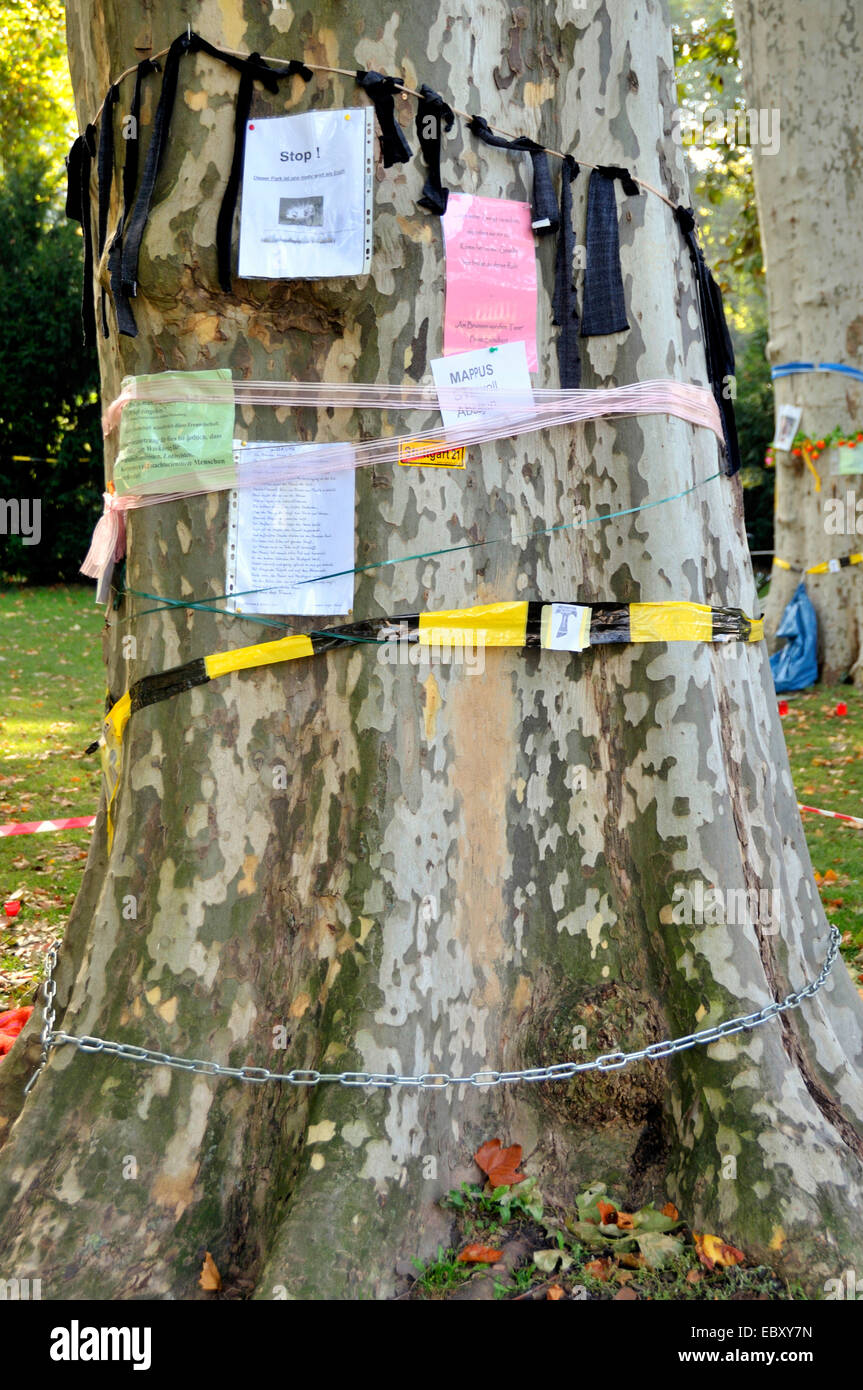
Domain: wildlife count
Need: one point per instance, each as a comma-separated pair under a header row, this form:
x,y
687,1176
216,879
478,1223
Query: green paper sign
x,y
164,445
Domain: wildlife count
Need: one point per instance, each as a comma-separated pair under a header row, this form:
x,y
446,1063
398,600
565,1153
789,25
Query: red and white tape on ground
x,y
37,827
834,815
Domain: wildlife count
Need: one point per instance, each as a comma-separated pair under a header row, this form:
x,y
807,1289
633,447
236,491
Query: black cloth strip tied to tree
x,y
105,175
564,307
123,258
380,90
152,165
433,117
544,216
717,339
603,306
79,163
185,43
253,70
131,133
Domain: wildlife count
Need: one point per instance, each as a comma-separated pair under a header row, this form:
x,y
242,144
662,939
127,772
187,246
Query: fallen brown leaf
x,y
500,1164
210,1280
479,1255
554,1293
713,1251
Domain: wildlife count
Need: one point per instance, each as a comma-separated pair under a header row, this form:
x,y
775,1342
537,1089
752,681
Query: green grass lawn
x,y
51,703
826,755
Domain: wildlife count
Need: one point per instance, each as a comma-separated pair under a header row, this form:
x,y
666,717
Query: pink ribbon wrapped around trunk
x,y
541,408
108,543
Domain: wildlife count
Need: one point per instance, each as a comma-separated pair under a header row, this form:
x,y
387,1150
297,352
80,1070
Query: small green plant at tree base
x,y
521,1281
441,1275
499,1205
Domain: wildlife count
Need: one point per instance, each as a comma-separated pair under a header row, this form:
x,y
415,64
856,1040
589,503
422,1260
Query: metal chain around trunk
x,y
557,1071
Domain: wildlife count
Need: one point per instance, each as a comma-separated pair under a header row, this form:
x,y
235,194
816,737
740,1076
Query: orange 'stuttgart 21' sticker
x,y
417,452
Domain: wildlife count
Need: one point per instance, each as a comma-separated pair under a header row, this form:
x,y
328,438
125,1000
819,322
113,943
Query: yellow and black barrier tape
x,y
570,627
518,624
841,562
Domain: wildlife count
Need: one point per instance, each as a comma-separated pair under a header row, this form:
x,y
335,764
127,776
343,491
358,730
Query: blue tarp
x,y
796,665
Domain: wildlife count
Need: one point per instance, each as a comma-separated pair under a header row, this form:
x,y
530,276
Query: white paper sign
x,y
284,533
499,370
787,425
307,196
565,627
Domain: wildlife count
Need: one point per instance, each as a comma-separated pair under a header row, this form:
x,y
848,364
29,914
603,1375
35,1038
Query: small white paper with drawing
x,y
787,425
502,371
281,534
565,627
306,210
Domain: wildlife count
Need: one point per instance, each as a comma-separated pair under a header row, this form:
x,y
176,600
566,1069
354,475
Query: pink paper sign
x,y
490,275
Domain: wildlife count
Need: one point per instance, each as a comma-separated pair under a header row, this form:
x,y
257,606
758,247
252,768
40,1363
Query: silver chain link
x,y
558,1071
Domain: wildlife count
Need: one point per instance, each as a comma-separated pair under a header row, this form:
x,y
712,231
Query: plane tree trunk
x,y
457,871
801,60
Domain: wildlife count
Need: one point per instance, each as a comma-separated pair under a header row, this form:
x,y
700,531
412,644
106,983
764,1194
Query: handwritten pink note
x,y
490,275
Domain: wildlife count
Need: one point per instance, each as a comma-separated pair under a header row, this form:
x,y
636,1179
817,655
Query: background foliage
x,y
50,440
709,77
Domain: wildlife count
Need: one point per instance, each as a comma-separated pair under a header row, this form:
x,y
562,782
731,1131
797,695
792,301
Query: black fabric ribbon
x,y
79,164
627,182
544,216
123,309
717,339
433,117
252,70
153,163
105,172
74,160
380,90
564,309
604,307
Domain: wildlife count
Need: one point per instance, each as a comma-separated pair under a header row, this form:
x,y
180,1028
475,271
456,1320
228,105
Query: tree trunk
x,y
463,872
801,59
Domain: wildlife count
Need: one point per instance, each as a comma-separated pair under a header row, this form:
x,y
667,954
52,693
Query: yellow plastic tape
x,y
111,754
263,654
812,469
670,622
491,625
781,564
416,452
756,631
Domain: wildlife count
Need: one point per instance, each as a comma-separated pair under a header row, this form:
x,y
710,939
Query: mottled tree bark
x,y
803,61
464,871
